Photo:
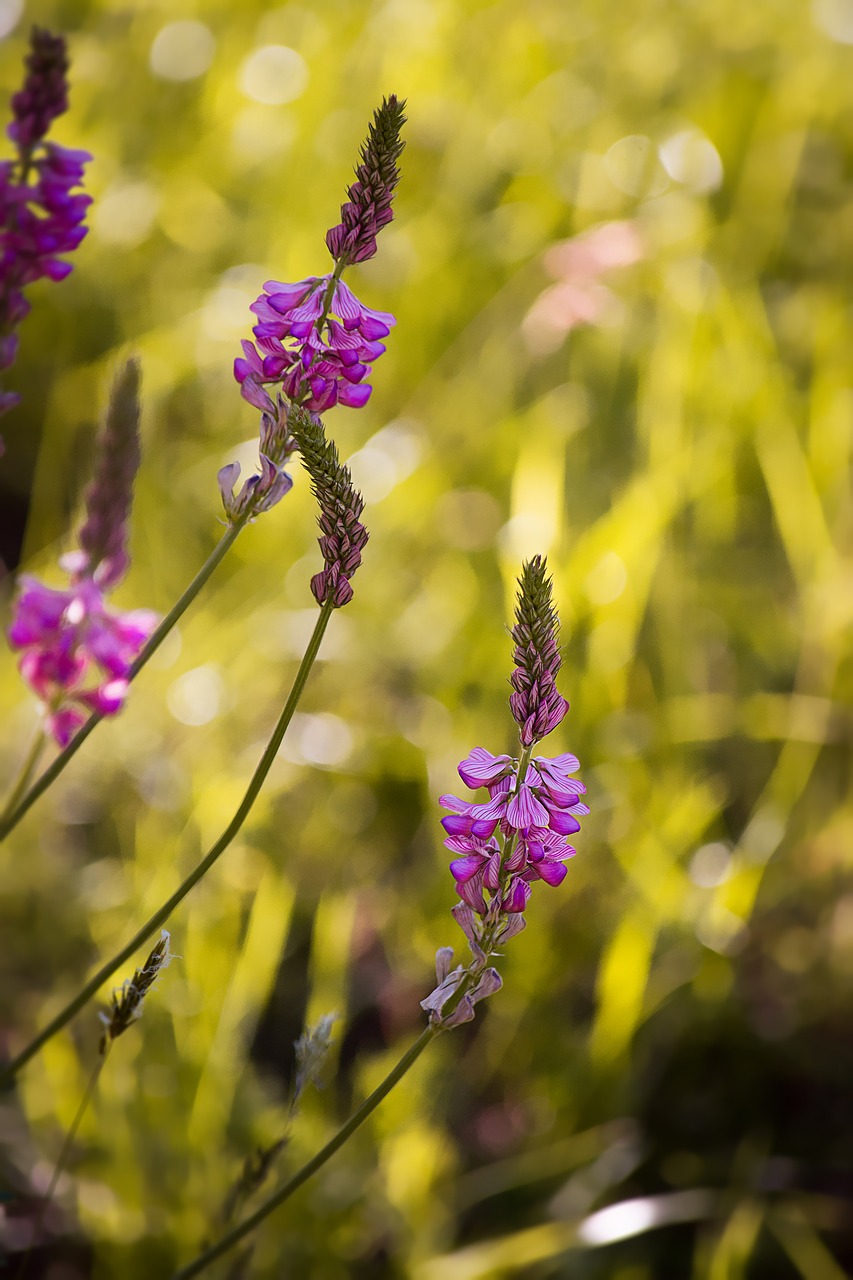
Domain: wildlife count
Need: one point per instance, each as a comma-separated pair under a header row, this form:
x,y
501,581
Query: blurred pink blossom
x,y
579,296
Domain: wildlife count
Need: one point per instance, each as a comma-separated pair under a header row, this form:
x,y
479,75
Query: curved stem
x,y
12,816
28,768
355,1121
162,913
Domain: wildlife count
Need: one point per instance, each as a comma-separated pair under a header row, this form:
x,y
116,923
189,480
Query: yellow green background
x,y
675,1020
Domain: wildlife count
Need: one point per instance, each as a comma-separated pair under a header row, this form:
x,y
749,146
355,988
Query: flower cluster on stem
x,y
77,652
41,213
315,339
519,835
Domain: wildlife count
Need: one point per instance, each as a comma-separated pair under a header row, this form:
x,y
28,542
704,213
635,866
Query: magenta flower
x,y
77,652
505,844
316,340
41,215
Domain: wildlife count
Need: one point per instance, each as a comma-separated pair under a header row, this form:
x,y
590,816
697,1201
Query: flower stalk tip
x,y
368,207
44,95
41,215
536,705
103,536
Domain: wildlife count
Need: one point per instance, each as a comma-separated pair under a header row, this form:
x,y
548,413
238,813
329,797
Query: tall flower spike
x,y
506,844
127,1000
341,505
536,705
368,208
40,214
103,537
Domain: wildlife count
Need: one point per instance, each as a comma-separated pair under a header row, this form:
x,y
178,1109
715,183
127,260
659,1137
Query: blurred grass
x,y
683,460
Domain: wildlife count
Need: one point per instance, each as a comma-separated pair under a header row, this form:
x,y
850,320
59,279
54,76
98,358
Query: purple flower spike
x,y
505,844
40,214
343,535
314,339
368,208
536,705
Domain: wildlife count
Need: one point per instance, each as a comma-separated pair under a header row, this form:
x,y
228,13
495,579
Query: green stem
x,y
27,770
12,815
162,913
63,1158
355,1121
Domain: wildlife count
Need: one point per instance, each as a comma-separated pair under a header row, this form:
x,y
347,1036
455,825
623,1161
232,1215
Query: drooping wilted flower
x,y
368,208
77,652
312,1050
518,836
40,213
260,492
344,536
127,1000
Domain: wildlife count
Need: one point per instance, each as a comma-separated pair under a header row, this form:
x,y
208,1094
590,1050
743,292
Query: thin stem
x,y
12,816
162,914
27,770
63,1157
355,1121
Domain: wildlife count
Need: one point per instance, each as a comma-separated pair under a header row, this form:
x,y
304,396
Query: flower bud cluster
x,y
41,214
343,535
103,536
368,208
536,705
